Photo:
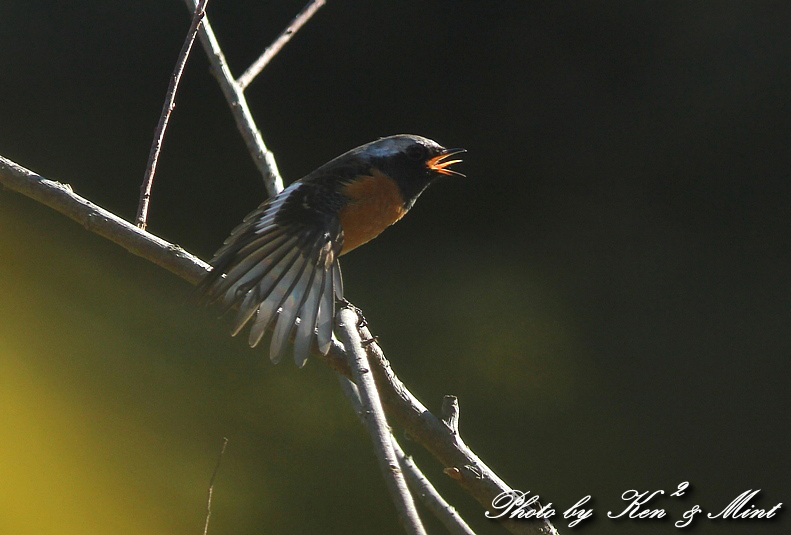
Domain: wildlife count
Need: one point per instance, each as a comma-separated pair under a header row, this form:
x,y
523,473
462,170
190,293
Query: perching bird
x,y
280,266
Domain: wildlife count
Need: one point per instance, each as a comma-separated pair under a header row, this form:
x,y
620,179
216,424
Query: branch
x,y
211,486
258,65
374,420
442,439
263,157
60,197
167,110
429,495
418,482
400,405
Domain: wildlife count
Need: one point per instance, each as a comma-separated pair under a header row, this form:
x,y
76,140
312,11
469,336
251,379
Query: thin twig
x,y
211,486
164,118
415,478
262,156
346,322
263,60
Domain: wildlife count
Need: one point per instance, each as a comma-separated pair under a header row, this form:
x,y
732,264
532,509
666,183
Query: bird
x,y
280,267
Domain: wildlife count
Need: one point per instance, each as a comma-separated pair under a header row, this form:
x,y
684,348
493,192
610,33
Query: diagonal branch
x,y
429,495
210,493
96,219
399,403
262,156
374,420
441,438
164,118
417,481
263,60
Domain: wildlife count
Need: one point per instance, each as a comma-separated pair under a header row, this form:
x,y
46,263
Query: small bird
x,y
280,266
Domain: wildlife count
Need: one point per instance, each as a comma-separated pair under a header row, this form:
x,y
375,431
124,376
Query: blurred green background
x,y
607,292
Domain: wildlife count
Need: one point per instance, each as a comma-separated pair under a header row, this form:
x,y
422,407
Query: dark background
x,y
607,292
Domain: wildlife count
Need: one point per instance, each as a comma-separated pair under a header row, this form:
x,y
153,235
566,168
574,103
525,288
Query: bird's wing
x,y
280,268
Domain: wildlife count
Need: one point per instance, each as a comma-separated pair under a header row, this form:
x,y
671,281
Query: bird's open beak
x,y
439,164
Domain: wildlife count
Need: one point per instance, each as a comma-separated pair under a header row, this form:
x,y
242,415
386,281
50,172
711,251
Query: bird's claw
x,y
361,321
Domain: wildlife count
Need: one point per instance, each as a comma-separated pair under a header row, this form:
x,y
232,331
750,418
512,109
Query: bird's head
x,y
411,161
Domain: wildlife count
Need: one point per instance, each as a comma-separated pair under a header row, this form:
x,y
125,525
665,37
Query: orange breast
x,y
375,203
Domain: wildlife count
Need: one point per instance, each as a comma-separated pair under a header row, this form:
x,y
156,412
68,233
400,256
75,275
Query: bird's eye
x,y
416,152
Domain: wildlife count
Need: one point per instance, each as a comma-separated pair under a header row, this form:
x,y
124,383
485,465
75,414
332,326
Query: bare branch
x,y
429,495
375,422
442,441
167,110
263,60
263,157
415,478
102,222
211,486
425,428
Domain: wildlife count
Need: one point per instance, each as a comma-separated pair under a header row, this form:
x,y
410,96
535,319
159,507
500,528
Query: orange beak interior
x,y
440,163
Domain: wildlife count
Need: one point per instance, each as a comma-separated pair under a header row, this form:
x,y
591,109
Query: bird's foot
x,y
361,321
